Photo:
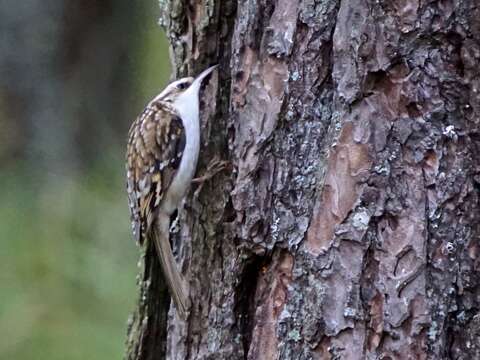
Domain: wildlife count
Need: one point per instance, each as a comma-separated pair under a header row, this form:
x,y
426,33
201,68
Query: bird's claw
x,y
214,167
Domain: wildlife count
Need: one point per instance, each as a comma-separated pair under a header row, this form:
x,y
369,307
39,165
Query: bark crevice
x,y
245,299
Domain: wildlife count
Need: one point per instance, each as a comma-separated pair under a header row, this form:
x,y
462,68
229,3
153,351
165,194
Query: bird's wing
x,y
155,147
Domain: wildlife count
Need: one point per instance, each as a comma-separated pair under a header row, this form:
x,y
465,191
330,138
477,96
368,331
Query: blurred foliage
x,y
67,258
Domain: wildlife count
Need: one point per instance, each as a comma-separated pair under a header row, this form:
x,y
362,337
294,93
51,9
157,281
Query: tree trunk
x,y
348,227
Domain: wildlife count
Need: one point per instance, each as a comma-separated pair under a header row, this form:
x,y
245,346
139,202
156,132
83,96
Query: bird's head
x,y
175,89
183,88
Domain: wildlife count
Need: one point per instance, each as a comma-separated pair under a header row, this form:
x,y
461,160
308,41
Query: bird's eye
x,y
182,86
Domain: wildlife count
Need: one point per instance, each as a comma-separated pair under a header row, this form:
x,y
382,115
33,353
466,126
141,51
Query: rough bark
x,y
347,228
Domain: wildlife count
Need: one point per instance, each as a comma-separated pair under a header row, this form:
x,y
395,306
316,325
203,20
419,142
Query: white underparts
x,y
187,105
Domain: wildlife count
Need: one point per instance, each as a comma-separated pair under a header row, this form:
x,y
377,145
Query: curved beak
x,y
198,80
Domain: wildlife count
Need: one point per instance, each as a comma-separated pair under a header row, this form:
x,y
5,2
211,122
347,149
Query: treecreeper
x,y
162,155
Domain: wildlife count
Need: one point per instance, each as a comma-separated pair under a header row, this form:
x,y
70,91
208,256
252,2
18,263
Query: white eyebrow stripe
x,y
170,87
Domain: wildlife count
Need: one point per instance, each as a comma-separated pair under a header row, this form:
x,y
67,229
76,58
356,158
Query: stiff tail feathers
x,y
175,282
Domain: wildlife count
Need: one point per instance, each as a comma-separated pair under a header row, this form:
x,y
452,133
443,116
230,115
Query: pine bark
x,y
347,227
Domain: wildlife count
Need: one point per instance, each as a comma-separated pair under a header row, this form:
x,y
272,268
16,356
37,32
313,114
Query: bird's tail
x,y
175,281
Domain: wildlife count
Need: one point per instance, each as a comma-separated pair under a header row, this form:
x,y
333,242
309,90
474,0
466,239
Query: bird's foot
x,y
214,167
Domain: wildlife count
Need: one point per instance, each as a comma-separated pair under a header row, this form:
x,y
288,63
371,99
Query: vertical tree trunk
x,y
348,227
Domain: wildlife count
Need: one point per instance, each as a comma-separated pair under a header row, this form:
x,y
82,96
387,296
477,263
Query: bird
x,y
162,154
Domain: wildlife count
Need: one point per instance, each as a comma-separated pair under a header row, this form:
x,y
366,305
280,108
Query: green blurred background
x,y
73,76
